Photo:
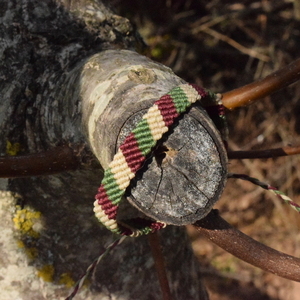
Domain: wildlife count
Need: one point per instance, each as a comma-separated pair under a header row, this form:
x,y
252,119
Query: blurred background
x,y
223,45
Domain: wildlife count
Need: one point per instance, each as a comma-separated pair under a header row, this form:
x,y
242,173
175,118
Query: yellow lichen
x,y
25,221
46,273
66,280
31,252
20,244
12,149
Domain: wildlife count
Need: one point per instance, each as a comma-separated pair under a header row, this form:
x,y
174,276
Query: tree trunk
x,y
47,52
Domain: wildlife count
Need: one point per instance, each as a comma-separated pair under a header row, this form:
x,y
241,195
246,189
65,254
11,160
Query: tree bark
x,y
47,48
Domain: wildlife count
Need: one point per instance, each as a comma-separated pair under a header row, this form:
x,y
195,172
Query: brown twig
x,y
297,9
247,249
235,44
160,265
58,159
249,93
268,153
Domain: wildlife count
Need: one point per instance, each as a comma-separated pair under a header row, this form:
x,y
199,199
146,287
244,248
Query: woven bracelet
x,y
132,154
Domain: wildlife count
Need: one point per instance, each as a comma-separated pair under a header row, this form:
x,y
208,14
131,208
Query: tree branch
x,y
56,160
251,92
267,153
159,265
247,249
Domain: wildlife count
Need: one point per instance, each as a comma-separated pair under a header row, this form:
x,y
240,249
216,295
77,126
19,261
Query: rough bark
x,y
45,49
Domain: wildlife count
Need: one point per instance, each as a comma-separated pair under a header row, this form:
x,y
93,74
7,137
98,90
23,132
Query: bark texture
x,y
45,49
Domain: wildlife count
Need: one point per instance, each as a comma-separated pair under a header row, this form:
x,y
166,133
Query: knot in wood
x,y
186,173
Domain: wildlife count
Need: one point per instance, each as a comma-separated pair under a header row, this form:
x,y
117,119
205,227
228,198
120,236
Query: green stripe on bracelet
x,y
133,152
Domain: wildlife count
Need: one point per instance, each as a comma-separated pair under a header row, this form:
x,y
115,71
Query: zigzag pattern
x,y
133,152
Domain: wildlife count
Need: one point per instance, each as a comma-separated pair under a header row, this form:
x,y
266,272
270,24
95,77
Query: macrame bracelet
x,y
132,154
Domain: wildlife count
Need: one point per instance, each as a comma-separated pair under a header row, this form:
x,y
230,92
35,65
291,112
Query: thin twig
x,y
160,265
247,249
297,9
58,159
198,28
249,93
236,45
267,153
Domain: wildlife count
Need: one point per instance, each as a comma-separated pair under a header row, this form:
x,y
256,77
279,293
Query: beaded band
x,y
133,152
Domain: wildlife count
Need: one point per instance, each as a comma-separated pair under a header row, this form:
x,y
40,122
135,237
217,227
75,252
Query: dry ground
x,y
223,45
